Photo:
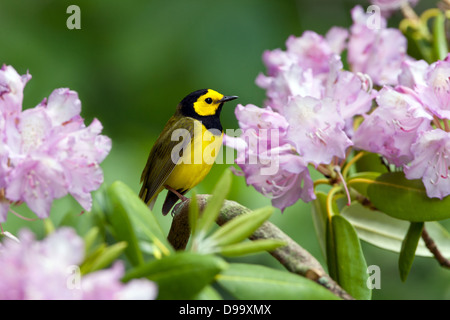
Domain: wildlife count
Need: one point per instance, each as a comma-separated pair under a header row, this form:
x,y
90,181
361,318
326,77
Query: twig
x,y
292,256
429,243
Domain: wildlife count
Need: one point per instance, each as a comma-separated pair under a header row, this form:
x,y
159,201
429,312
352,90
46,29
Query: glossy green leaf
x,y
418,46
133,221
255,282
406,199
370,162
331,252
109,255
319,215
349,264
102,257
386,232
181,275
362,180
212,210
117,216
329,239
409,246
250,247
208,293
90,238
89,260
193,213
240,227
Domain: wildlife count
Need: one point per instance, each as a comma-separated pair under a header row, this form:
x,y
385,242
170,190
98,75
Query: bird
x,y
186,149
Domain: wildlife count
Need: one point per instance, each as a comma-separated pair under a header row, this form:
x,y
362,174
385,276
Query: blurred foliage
x,y
133,61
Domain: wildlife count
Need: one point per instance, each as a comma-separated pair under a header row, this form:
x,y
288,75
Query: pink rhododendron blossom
x,y
294,81
431,162
347,89
312,51
106,285
44,270
268,161
378,52
316,129
435,93
387,7
282,176
412,73
393,126
47,151
309,51
11,90
337,38
406,129
311,101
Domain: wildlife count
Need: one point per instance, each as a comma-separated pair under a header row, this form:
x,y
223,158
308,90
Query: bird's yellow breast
x,y
197,160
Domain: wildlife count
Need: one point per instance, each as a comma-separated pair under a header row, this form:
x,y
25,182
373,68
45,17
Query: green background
x,y
133,61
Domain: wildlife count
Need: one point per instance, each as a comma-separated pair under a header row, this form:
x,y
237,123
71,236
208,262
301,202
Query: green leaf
x,y
117,216
49,227
409,247
419,47
193,213
132,220
329,237
212,210
362,180
320,219
181,275
89,239
89,259
386,232
240,227
103,257
331,252
370,162
243,248
406,199
439,37
208,293
350,264
108,256
255,282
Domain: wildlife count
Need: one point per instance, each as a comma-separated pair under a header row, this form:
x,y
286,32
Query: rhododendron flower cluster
x,y
312,102
377,52
313,99
410,125
49,270
47,151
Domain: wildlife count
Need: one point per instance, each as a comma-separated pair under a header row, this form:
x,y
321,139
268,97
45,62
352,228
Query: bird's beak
x,y
227,98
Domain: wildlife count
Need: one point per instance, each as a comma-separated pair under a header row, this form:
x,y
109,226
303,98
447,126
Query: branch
x,y
431,245
292,256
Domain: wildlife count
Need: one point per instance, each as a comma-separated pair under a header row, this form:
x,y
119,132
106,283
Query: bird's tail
x,y
143,195
152,202
170,201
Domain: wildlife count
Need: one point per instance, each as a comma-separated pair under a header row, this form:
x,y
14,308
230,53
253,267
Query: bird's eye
x,y
208,100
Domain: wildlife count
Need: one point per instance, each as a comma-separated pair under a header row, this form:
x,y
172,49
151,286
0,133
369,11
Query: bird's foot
x,y
179,195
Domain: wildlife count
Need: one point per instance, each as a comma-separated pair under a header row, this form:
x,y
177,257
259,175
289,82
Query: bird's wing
x,y
161,162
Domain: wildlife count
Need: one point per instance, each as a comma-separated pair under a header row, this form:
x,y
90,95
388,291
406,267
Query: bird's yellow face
x,y
204,105
208,103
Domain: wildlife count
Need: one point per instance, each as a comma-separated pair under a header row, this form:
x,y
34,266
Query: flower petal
x,y
63,105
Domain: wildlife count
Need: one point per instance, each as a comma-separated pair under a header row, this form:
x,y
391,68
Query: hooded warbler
x,y
185,150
